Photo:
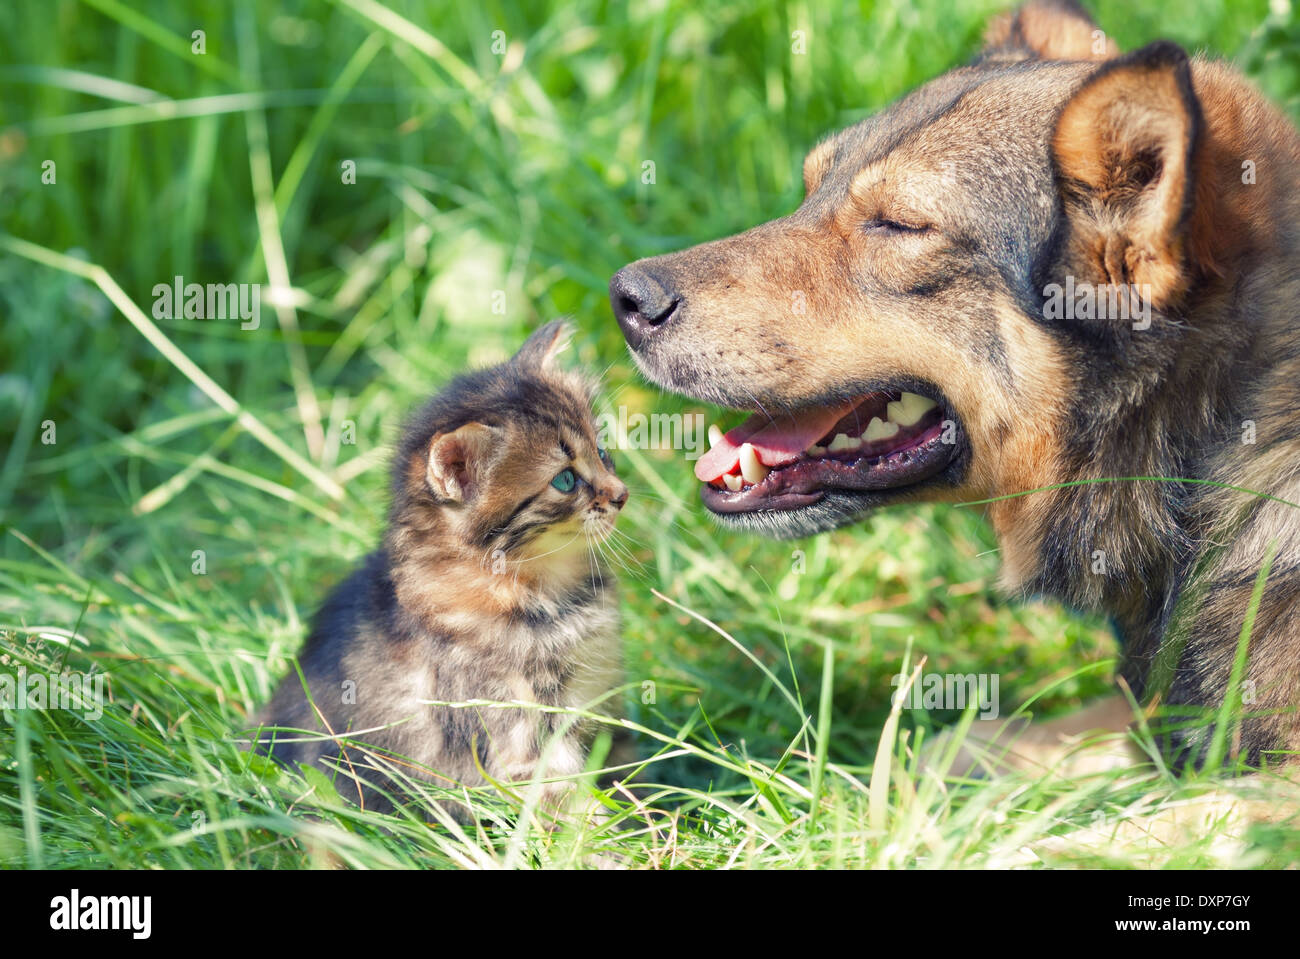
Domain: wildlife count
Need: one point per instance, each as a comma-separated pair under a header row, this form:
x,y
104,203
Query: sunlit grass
x,y
758,676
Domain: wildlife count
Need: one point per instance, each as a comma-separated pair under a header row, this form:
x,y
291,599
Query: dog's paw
x,y
1089,741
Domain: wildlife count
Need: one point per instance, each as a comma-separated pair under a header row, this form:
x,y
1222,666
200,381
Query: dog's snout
x,y
641,303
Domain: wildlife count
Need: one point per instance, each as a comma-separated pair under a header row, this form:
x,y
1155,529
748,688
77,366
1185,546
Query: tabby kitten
x,y
487,586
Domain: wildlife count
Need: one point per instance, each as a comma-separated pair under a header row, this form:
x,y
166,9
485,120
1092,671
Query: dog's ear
x,y
459,461
1047,30
1124,148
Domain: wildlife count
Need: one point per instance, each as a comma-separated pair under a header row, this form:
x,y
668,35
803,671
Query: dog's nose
x,y
640,303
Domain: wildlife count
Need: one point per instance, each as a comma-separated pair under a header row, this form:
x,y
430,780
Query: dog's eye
x,y
884,226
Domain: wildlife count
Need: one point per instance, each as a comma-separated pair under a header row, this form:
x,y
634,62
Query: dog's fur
x,y
920,260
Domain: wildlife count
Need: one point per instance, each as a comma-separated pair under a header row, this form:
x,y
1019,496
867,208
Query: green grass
x,y
771,745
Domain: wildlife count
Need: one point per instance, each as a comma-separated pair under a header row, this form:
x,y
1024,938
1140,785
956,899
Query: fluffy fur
x,y
922,256
487,587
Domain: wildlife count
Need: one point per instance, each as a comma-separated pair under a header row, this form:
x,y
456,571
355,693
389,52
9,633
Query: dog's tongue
x,y
777,441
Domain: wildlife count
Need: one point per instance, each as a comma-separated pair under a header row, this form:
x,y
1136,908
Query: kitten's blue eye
x,y
606,458
565,481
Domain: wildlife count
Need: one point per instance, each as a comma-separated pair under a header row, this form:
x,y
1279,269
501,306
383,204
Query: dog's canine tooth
x,y
916,402
843,442
750,467
908,410
734,482
715,435
878,429
816,450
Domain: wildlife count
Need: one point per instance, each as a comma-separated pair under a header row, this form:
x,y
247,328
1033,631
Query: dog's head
x,y
966,268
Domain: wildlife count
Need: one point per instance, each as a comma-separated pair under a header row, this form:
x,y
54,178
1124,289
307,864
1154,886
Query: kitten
x,y
486,586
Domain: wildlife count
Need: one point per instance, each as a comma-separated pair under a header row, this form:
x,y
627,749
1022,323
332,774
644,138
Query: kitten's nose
x,y
617,495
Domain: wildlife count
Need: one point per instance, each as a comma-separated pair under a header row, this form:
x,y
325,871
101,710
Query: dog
x,y
1060,281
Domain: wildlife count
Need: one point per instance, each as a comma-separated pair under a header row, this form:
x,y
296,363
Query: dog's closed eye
x,y
885,226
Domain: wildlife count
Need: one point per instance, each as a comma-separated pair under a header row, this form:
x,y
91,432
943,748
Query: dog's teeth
x,y
816,450
844,442
878,429
909,409
715,435
750,467
921,403
734,482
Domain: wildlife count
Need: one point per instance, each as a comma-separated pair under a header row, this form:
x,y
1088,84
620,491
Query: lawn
x,y
416,184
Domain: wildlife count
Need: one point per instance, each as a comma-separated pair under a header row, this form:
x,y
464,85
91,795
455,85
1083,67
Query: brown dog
x,y
1056,269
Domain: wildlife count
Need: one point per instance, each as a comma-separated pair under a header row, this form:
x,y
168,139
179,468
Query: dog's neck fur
x,y
1231,386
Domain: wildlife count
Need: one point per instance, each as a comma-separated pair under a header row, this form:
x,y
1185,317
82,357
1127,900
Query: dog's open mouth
x,y
881,441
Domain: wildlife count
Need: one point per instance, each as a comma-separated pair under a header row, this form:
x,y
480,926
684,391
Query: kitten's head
x,y
508,459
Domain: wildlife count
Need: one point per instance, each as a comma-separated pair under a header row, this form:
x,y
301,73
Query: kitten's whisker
x,y
629,537
594,564
616,555
620,548
594,546
641,494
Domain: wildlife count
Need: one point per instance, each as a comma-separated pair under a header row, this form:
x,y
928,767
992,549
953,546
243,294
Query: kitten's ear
x,y
540,349
458,461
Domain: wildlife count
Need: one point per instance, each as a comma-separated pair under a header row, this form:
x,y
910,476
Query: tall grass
x,y
205,485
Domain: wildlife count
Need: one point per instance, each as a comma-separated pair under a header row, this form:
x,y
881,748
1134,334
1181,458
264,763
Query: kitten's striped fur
x,y
486,587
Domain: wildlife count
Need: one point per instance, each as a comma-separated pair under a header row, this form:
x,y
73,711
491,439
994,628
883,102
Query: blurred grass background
x,y
498,151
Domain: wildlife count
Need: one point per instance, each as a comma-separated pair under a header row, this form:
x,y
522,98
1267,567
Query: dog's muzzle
x,y
641,303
